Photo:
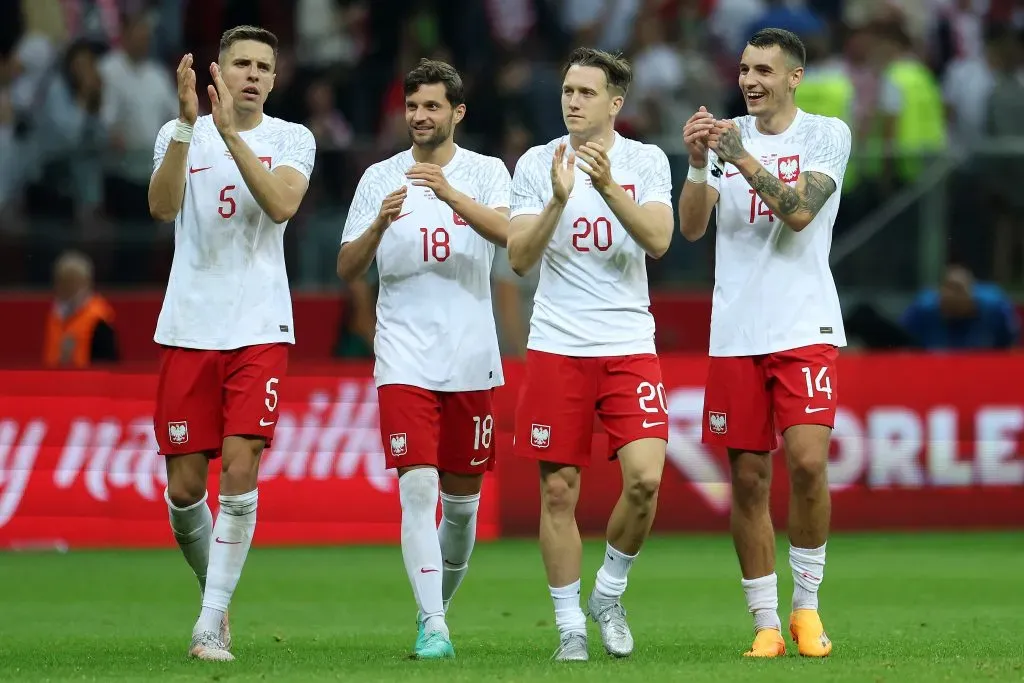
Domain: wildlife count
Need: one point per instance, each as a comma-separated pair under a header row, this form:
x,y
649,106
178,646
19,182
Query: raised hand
x,y
597,165
725,139
188,100
391,207
222,105
695,136
563,172
432,176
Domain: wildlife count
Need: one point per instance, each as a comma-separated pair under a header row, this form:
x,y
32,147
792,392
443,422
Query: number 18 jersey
x,y
435,322
592,298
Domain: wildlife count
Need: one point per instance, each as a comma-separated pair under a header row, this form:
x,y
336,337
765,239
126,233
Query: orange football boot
x,y
767,643
808,633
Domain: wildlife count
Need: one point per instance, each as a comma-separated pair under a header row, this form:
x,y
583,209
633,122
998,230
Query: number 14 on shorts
x,y
817,383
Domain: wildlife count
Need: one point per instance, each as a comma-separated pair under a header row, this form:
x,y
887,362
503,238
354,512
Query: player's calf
x,y
561,547
456,534
418,490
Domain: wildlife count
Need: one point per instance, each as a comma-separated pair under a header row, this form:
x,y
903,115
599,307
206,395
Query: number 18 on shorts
x,y
452,431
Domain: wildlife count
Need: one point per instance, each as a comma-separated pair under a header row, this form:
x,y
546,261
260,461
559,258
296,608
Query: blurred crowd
x,y
931,88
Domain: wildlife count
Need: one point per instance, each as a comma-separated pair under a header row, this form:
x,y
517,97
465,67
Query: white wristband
x,y
182,132
697,175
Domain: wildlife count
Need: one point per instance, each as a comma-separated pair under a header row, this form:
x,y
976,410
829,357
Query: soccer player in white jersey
x,y
775,176
591,206
230,181
431,217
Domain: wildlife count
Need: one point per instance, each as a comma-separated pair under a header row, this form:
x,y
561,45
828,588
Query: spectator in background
x,y
139,96
80,329
962,314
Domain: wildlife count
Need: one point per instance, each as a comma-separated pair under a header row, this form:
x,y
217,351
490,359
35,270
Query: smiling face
x,y
430,116
768,78
247,67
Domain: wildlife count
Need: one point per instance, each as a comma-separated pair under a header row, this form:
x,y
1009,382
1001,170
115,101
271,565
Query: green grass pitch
x,y
899,608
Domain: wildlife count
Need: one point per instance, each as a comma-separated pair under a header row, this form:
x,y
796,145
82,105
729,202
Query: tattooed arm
x,y
795,206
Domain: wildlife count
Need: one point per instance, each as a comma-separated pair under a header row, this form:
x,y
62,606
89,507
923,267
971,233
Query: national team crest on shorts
x,y
399,445
717,422
540,435
177,432
789,168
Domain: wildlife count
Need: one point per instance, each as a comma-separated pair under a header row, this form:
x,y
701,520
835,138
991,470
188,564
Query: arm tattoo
x,y
730,144
818,188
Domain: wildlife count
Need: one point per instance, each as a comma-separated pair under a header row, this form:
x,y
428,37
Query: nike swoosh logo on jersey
x,y
264,423
648,425
809,410
398,218
475,462
192,169
730,174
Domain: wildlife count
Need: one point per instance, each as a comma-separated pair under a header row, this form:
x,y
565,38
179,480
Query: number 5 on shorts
x,y
822,384
271,400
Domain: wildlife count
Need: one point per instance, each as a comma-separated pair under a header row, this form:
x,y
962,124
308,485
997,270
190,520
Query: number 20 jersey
x,y
435,322
592,298
228,286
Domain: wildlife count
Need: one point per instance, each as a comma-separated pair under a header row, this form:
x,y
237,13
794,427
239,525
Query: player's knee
x,y
751,483
186,480
641,489
240,464
807,466
558,494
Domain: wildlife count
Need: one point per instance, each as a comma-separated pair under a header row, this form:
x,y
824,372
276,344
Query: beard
x,y
440,134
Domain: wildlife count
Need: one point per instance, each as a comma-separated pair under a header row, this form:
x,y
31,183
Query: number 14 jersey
x,y
592,298
435,323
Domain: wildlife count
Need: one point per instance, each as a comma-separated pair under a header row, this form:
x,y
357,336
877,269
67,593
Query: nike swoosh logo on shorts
x,y
648,425
264,423
474,462
809,410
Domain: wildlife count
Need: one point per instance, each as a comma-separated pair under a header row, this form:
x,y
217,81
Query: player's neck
x,y
247,120
778,121
606,137
439,155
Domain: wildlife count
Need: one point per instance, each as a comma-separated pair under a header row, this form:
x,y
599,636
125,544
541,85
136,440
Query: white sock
x,y
808,565
611,577
457,536
763,601
193,530
569,617
418,490
232,536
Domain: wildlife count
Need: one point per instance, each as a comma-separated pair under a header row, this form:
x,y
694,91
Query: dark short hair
x,y
238,33
787,41
617,71
432,71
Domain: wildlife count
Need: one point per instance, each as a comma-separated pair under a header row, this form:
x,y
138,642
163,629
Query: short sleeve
x,y
163,140
299,151
497,185
365,206
655,177
829,150
716,169
526,196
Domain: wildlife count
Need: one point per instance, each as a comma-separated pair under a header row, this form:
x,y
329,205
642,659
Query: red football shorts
x,y
204,396
561,395
453,431
749,400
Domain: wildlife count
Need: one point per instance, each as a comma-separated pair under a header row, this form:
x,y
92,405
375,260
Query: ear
x,y
617,103
795,77
460,113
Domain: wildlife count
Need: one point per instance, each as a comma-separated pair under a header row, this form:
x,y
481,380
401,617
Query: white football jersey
x,y
773,287
228,286
592,298
435,324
